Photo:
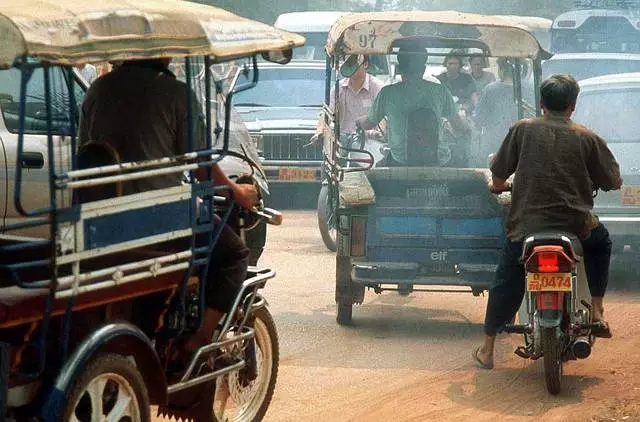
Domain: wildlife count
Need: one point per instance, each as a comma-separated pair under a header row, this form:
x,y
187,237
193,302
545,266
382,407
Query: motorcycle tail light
x,y
549,259
358,235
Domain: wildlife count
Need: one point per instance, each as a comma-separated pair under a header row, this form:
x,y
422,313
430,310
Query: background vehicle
x,y
90,315
281,115
413,228
617,123
314,26
588,65
598,26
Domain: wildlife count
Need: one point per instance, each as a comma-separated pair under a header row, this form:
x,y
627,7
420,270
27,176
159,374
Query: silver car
x,y
609,106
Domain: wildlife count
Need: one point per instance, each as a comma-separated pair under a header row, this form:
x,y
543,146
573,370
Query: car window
x,y
285,87
35,109
618,121
589,68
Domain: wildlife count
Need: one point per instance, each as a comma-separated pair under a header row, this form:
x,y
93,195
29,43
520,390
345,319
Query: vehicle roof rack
x,y
606,4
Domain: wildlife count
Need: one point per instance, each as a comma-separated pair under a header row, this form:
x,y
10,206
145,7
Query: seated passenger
x,y
140,109
496,111
480,76
399,102
459,83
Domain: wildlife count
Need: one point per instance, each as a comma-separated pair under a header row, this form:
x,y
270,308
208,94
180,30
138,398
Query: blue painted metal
x,y
130,225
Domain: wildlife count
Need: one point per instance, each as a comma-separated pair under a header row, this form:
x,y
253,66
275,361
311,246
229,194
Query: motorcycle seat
x,y
571,244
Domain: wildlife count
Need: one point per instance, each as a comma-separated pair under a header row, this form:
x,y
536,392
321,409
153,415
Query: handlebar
x,y
268,215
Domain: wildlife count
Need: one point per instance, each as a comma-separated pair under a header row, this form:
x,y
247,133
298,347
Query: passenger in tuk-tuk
x,y
559,163
460,84
140,110
496,111
414,109
481,77
357,91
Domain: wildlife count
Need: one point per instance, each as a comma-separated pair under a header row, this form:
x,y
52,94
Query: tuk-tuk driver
x,y
140,109
396,102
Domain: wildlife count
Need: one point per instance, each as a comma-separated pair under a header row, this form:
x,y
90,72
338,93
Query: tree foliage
x,y
268,10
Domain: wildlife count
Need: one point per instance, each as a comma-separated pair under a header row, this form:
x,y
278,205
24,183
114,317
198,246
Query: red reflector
x,y
549,301
566,24
358,235
548,262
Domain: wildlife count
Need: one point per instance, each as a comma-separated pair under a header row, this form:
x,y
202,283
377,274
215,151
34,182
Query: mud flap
x,y
191,405
5,361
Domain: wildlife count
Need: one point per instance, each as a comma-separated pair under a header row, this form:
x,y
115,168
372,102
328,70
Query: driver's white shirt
x,y
353,105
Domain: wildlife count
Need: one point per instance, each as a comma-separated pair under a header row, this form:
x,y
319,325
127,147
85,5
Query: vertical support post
x,y
517,79
537,76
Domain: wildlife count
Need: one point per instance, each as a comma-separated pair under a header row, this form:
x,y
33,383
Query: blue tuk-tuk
x,y
415,228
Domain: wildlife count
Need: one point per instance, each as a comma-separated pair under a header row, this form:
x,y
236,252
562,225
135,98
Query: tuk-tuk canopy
x,y
376,33
80,31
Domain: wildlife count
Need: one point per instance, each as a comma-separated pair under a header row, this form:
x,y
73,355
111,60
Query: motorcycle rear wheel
x,y
552,353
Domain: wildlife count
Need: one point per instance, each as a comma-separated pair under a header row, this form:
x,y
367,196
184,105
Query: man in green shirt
x,y
399,101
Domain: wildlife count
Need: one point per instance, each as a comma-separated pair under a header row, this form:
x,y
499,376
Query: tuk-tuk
x,y
90,313
414,228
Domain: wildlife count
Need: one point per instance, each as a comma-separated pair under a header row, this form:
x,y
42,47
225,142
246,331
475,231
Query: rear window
x,y
615,122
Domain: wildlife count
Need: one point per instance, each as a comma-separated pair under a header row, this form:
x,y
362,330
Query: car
x,y
597,26
589,65
618,124
281,115
314,26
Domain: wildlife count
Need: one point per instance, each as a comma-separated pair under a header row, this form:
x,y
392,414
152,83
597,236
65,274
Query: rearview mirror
x,y
280,57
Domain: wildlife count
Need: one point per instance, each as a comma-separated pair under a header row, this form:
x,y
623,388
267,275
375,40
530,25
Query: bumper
x,y
292,171
476,276
624,232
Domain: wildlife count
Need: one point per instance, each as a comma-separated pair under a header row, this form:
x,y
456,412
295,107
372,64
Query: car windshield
x,y
313,48
618,121
285,87
589,68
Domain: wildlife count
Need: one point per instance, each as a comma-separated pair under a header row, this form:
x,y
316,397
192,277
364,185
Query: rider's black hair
x,y
559,92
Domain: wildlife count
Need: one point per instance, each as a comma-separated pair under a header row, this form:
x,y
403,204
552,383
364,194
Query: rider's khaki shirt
x,y
557,164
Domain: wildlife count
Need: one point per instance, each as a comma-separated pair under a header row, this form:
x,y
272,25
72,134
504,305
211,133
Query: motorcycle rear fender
x,y
550,306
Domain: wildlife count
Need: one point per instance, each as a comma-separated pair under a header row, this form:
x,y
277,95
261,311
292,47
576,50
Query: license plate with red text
x,y
549,282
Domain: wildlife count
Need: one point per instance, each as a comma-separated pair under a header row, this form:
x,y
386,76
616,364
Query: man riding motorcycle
x,y
139,110
557,165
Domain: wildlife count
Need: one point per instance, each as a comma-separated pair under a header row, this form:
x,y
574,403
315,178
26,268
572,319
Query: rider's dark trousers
x,y
227,270
507,292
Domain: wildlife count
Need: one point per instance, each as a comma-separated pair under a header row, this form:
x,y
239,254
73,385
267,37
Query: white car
x,y
609,106
589,65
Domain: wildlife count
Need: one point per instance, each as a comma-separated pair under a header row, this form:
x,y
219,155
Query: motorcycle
x,y
556,318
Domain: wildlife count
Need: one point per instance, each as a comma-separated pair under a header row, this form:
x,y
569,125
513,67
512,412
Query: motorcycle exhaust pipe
x,y
581,348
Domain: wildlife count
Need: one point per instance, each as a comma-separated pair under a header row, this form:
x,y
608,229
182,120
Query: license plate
x,y
296,174
630,196
549,282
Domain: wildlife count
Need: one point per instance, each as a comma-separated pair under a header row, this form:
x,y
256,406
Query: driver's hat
x,y
351,65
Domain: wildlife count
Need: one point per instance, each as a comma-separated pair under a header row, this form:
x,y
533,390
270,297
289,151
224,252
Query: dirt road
x,y
409,358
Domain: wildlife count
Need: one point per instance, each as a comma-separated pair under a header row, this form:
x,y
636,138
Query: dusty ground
x,y
409,358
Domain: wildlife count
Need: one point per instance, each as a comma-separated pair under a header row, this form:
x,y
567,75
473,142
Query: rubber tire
x,y
344,290
344,314
265,316
552,354
323,220
109,363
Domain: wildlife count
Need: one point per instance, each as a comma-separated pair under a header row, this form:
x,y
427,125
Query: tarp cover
x,y
76,31
375,33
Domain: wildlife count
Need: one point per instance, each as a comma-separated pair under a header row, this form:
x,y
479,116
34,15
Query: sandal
x,y
480,364
602,330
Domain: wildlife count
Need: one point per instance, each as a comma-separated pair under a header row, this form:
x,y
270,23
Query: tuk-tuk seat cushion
x,y
355,190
